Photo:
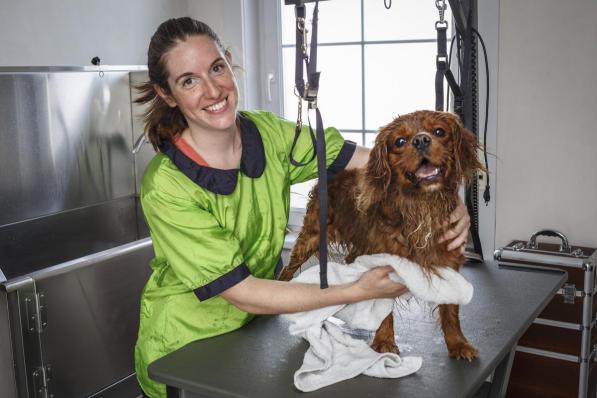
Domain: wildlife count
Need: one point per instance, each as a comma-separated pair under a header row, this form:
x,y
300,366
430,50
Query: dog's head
x,y
423,151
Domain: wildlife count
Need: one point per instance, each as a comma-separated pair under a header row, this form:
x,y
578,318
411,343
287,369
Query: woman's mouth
x,y
217,107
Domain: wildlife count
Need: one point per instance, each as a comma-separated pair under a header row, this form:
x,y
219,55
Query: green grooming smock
x,y
212,228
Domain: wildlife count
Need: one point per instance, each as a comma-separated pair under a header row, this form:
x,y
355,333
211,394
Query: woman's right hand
x,y
376,283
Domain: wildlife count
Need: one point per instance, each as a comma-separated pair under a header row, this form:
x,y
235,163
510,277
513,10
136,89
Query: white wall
x,y
71,32
546,128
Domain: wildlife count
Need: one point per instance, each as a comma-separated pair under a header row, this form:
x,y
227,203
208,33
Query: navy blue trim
x,y
224,282
342,159
223,182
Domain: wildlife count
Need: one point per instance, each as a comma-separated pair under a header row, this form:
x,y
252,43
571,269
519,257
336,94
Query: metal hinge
x,y
42,377
37,319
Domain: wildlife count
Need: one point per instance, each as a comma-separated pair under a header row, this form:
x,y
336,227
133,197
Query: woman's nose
x,y
212,89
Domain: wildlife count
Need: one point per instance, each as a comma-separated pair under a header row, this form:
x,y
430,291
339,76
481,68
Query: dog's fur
x,y
390,207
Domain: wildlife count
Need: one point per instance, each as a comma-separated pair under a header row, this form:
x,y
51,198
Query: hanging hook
x,y
387,4
97,61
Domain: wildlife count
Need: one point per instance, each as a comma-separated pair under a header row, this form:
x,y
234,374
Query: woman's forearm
x,y
262,296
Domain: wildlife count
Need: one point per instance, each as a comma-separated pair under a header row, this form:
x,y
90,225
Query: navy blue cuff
x,y
342,159
224,282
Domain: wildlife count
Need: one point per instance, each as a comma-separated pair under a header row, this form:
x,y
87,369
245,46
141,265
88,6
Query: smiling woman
x,y
216,201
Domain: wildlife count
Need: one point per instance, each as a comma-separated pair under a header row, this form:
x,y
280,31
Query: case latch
x,y
569,293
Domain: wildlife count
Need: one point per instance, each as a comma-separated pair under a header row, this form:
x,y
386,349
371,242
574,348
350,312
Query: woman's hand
x,y
376,283
460,223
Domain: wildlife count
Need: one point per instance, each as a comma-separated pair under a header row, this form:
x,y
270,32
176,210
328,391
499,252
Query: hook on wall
x,y
97,62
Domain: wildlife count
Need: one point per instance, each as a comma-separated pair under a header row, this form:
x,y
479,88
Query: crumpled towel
x,y
335,355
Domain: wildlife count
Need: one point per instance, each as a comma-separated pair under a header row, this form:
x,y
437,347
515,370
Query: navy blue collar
x,y
223,182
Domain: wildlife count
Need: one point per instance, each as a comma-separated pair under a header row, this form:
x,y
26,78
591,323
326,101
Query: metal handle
x,y
564,247
270,80
139,143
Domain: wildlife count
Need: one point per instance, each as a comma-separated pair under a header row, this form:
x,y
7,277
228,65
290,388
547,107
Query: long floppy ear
x,y
377,175
465,153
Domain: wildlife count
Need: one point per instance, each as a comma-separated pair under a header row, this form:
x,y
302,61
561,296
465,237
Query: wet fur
x,y
379,209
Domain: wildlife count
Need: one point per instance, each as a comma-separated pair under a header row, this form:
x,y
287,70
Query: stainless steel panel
x,y
8,385
145,152
92,312
42,242
65,140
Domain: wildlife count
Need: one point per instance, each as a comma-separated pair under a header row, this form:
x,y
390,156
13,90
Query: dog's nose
x,y
421,141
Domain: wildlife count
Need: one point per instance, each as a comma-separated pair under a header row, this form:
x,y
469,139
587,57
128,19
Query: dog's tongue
x,y
426,170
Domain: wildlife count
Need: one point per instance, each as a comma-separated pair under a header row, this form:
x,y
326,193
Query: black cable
x,y
486,194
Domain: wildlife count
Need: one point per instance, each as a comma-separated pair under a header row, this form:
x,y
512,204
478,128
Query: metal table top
x,y
259,360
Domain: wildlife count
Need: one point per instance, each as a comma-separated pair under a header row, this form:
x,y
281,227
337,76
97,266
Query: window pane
x,y
340,88
399,79
405,20
339,21
370,139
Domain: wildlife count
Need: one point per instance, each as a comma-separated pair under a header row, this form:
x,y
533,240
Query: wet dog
x,y
399,204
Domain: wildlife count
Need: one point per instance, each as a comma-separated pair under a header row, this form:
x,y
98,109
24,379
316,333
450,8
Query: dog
x,y
399,204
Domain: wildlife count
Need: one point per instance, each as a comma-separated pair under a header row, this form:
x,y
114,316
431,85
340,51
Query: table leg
x,y
501,376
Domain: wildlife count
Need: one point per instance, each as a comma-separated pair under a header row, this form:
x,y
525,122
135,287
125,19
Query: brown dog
x,y
398,204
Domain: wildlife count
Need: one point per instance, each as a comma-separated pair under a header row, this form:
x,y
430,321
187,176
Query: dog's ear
x,y
465,151
377,175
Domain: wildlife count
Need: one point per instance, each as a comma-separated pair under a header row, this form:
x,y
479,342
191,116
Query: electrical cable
x,y
486,194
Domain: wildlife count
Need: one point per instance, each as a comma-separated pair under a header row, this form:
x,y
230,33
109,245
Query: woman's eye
x,y
400,142
439,132
219,68
189,82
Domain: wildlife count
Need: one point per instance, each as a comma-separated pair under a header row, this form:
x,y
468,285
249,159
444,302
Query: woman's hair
x,y
161,121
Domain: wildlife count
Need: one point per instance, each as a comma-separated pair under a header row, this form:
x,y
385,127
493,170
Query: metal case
x,y
557,356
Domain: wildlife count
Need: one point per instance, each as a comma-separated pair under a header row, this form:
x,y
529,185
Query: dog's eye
x,y
439,132
400,142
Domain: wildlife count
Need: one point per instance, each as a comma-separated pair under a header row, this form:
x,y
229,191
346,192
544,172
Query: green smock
x,y
212,228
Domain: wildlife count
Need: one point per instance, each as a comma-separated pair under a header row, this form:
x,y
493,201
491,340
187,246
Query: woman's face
x,y
202,84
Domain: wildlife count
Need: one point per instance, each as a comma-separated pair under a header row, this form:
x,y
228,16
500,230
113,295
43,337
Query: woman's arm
x,y
262,296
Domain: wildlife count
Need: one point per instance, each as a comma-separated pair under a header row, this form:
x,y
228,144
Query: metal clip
x,y
578,253
441,8
300,24
519,246
299,117
569,293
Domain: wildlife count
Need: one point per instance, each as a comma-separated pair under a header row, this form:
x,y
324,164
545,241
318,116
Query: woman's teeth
x,y
216,107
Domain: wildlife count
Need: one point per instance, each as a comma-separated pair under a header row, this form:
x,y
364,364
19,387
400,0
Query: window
x,y
375,64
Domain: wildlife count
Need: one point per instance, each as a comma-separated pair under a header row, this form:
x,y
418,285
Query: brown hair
x,y
160,120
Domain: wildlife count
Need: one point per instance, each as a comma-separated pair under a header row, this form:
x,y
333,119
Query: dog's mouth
x,y
426,173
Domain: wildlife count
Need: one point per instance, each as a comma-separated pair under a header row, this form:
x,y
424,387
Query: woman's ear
x,y
163,95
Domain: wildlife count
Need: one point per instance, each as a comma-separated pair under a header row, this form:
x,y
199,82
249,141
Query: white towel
x,y
334,355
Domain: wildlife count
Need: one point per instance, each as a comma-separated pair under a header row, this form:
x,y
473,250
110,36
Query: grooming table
x,y
259,360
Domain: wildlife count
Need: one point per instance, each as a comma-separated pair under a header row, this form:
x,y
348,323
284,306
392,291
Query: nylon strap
x,y
309,93
443,70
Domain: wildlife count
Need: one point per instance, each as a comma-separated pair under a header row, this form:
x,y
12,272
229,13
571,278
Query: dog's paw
x,y
464,350
385,346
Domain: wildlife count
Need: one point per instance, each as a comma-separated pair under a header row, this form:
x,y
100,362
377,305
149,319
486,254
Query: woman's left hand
x,y
460,223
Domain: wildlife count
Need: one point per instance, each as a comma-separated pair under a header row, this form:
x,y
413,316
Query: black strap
x,y
309,94
443,69
323,203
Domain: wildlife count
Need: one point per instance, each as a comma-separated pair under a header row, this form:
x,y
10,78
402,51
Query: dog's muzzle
x,y
421,142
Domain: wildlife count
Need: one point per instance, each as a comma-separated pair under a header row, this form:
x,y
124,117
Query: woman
x,y
216,200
